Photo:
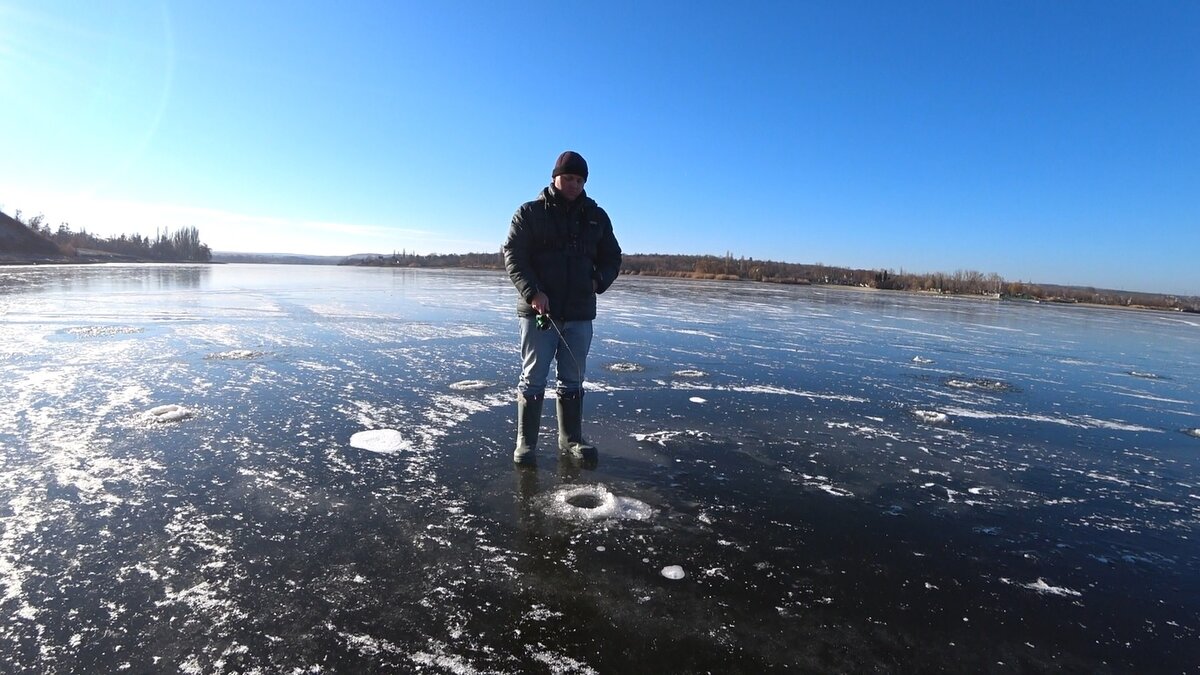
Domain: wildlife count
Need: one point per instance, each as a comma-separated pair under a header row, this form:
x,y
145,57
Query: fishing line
x,y
543,322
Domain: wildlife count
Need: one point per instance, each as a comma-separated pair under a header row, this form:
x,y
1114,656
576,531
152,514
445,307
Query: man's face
x,y
569,185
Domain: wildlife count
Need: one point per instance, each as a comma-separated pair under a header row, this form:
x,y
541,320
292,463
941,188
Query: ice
x,y
270,508
383,441
673,572
170,412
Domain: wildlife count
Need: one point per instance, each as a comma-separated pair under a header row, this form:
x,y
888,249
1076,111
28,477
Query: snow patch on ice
x,y
561,664
825,485
1044,588
470,385
235,355
921,360
102,331
697,399
661,437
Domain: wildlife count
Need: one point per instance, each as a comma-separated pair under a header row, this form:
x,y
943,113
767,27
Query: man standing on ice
x,y
560,254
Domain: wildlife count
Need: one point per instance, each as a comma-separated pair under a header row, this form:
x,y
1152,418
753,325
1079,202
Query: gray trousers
x,y
540,347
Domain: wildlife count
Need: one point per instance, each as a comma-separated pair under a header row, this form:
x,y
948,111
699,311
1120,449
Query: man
x,y
560,254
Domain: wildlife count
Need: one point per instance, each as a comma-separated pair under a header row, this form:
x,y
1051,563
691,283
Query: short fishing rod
x,y
544,322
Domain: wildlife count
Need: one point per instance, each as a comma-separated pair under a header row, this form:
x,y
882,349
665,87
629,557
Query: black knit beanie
x,y
570,162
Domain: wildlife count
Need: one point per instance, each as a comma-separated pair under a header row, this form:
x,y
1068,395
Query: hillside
x,y
19,243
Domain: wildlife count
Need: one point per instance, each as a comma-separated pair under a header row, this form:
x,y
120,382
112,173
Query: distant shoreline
x,y
13,261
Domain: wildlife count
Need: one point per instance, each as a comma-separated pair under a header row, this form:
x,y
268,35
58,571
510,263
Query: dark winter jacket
x,y
560,248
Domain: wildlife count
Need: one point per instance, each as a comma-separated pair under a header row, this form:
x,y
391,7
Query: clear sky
x,y
1046,141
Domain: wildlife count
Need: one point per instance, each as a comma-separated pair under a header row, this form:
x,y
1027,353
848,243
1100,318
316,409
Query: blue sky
x,y
1053,142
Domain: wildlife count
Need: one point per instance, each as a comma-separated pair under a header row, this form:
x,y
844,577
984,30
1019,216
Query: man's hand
x,y
540,303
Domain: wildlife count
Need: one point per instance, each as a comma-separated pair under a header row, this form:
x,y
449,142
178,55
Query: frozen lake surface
x,y
239,469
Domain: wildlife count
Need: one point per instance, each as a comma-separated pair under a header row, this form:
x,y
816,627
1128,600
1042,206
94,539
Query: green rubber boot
x,y
570,427
529,417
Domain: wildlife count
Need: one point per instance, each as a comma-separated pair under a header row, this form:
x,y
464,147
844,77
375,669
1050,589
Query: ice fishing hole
x,y
584,500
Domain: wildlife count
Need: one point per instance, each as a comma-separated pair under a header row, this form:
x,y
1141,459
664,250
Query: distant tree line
x,y
728,268
485,261
182,245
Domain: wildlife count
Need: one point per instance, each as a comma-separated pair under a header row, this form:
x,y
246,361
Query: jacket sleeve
x,y
517,257
608,257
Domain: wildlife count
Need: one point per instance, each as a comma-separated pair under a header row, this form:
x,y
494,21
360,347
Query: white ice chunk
x,y
384,441
170,412
674,572
930,416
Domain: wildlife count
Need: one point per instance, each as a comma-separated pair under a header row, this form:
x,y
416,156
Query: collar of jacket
x,y
551,197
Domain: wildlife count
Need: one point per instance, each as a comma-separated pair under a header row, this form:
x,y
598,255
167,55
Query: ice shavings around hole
x,y
1192,432
595,502
921,359
690,373
170,412
625,367
383,441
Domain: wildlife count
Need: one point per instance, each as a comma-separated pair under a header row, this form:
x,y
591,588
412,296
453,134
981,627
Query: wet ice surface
x,y
892,482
